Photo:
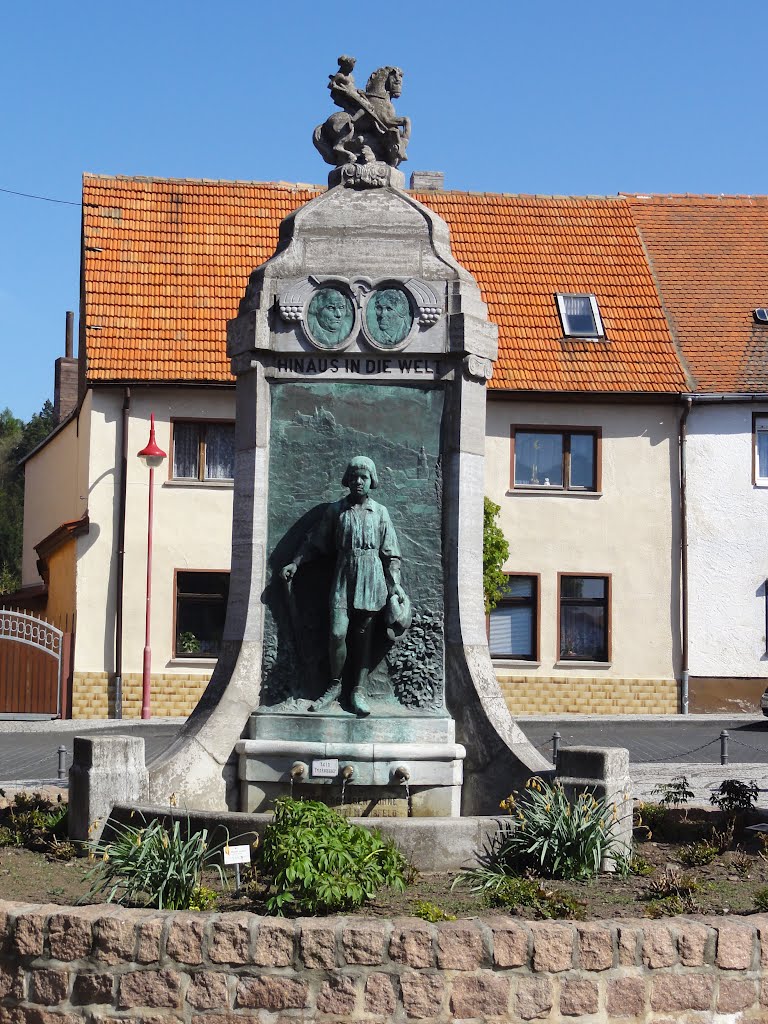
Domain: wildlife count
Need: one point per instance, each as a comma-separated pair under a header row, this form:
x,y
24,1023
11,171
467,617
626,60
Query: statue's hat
x,y
399,616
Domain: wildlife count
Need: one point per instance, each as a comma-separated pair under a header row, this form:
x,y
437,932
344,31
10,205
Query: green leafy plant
x,y
549,835
649,818
733,796
33,821
188,643
697,854
500,888
639,866
204,898
671,893
431,912
676,793
318,862
152,865
761,900
495,554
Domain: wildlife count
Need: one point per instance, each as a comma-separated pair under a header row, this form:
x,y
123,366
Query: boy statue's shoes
x,y
359,703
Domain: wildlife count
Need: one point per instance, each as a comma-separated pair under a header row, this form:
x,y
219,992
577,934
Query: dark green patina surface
x,y
388,316
330,317
315,429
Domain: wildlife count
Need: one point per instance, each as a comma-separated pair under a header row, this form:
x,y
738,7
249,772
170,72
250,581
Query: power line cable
x,y
45,199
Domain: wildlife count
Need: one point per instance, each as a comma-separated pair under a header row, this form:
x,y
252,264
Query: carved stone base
x,y
372,175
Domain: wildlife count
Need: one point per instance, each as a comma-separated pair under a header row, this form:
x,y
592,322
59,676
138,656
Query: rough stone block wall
x,y
104,964
554,695
174,694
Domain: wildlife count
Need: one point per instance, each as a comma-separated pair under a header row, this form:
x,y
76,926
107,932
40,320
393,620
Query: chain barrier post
x,y
555,746
62,769
724,747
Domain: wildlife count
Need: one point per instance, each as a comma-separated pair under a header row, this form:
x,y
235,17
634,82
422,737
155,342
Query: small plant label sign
x,y
326,768
237,854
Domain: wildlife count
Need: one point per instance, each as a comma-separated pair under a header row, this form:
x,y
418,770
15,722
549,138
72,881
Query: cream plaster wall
x,y
192,529
629,531
55,481
727,543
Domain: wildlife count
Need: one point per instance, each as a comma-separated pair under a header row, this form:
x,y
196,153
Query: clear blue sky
x,y
548,97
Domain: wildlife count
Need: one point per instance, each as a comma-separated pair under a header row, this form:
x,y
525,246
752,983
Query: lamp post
x,y
152,456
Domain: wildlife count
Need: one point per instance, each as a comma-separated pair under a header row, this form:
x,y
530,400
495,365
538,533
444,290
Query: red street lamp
x,y
152,456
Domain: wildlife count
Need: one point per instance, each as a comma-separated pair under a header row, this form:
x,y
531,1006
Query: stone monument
x,y
355,664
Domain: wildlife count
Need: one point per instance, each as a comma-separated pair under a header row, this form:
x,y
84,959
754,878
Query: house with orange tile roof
x,y
709,259
583,417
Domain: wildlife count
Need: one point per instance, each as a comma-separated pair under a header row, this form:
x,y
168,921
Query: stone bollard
x,y
105,771
603,771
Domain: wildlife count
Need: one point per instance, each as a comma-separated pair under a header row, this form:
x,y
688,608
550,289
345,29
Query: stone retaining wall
x,y
104,964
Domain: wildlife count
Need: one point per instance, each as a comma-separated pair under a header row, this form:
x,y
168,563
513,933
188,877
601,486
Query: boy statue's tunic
x,y
365,544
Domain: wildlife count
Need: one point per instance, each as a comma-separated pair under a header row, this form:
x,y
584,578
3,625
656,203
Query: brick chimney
x,y
427,181
65,377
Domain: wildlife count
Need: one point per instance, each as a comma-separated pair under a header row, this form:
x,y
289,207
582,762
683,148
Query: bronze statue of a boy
x,y
360,533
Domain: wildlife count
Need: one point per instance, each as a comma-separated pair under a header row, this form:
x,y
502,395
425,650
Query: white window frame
x,y
599,331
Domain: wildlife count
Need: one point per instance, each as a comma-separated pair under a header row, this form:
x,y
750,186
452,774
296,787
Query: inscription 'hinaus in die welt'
x,y
355,365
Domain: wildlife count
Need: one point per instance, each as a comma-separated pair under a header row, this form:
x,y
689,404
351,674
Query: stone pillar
x,y
603,771
105,771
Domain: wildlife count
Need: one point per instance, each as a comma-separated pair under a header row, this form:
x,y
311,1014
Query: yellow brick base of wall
x,y
547,695
173,695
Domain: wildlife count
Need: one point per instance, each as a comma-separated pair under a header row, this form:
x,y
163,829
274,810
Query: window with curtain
x,y
201,604
584,618
561,459
579,316
513,626
761,450
203,451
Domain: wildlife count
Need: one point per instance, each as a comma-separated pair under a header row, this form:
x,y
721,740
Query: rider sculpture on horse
x,y
367,129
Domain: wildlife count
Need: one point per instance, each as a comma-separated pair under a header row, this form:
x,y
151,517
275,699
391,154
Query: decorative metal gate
x,y
34,666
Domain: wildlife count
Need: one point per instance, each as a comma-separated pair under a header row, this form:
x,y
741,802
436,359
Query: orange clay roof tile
x,y
709,255
167,261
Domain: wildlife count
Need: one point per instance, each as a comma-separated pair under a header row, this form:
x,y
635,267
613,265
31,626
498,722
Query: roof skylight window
x,y
579,316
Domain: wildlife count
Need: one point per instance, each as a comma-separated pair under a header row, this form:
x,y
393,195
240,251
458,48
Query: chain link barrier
x,y
678,755
749,746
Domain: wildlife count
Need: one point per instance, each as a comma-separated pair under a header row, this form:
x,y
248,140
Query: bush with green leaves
x,y
552,836
318,862
675,793
761,900
35,822
734,797
153,865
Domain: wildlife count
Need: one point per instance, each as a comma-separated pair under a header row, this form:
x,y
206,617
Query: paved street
x,y
29,753
28,750
694,738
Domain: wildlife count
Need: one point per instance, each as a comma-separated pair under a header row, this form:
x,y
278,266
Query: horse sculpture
x,y
367,129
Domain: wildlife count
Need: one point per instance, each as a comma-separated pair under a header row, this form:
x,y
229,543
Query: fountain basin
x,y
387,779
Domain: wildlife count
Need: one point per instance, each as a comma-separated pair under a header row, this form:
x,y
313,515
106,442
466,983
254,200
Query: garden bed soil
x,y
727,885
